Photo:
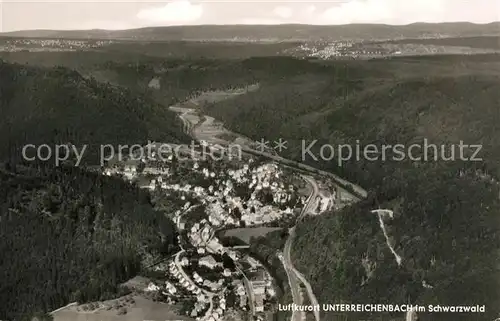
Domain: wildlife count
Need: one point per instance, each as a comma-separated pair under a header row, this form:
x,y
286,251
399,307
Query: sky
x,y
127,14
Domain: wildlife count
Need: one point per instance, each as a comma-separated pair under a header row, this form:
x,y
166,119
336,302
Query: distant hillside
x,y
274,32
57,105
492,42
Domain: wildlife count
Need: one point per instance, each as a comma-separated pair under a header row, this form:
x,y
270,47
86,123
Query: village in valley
x,y
213,274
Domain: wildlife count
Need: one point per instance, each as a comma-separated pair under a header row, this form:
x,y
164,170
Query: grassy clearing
x,y
246,234
129,308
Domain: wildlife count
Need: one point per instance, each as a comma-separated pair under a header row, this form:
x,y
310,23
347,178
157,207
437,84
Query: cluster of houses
x,y
209,305
347,49
202,237
261,284
217,311
223,206
329,50
241,293
184,280
243,195
14,45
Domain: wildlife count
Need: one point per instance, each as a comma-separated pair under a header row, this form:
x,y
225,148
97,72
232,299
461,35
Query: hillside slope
x,y
446,226
447,223
57,105
67,234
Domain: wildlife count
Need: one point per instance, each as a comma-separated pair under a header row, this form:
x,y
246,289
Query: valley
x,y
234,199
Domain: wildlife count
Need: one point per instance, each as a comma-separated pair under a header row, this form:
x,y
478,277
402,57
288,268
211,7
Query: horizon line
x,y
257,25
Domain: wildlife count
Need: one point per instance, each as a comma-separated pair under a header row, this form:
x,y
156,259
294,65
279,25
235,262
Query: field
x,y
486,42
246,234
137,308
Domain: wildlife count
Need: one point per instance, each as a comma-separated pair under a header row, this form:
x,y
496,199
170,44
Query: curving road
x,y
294,276
294,284
311,200
209,294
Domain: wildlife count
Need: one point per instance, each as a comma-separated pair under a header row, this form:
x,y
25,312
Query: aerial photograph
x,y
239,160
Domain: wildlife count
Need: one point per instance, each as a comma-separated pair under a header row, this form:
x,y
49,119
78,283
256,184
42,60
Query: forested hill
x,y
57,105
447,223
68,235
283,32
